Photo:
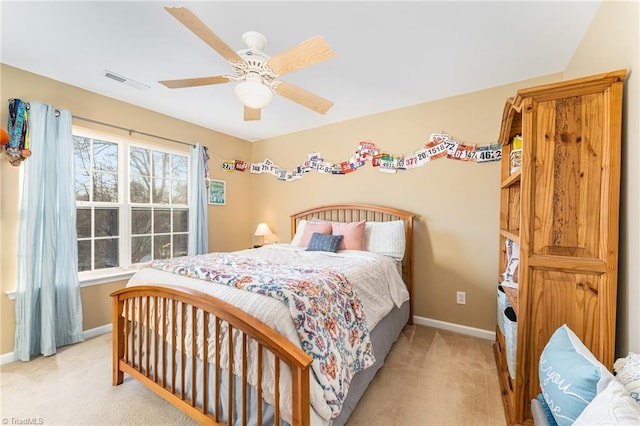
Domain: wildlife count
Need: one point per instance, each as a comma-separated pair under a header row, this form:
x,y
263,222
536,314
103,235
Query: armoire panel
x,y
568,148
559,298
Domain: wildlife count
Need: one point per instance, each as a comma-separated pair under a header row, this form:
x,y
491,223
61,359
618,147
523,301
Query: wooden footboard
x,y
150,323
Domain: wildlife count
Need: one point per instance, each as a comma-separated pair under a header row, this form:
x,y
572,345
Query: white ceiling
x,y
387,54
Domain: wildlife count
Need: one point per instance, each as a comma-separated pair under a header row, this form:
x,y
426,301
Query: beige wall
x,y
456,238
229,225
613,42
456,203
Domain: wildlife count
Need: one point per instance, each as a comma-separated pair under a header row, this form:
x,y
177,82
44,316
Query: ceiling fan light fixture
x,y
254,72
252,93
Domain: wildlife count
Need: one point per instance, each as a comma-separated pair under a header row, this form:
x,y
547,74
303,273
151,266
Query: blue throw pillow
x,y
570,376
324,242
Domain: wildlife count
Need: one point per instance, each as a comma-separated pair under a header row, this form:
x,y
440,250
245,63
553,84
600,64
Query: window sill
x,y
94,279
106,277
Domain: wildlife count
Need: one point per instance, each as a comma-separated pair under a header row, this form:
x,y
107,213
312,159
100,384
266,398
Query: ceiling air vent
x,y
125,80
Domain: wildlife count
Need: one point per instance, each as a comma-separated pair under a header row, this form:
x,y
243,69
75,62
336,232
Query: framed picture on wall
x,y
217,192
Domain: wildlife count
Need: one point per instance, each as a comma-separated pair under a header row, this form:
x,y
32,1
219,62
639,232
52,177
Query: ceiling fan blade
x,y
192,82
251,114
304,98
193,23
307,53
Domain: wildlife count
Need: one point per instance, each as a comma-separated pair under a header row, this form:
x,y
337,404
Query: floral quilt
x,y
326,311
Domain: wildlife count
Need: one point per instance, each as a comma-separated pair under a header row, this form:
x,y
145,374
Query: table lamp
x,y
262,230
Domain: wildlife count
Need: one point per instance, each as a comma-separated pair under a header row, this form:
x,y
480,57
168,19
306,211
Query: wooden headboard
x,y
354,212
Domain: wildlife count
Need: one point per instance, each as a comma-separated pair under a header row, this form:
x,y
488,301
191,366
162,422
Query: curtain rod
x,y
131,130
121,128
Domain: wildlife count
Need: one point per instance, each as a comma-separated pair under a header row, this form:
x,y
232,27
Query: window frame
x,y
126,268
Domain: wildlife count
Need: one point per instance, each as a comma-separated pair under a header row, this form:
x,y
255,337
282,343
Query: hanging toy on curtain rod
x,y
16,142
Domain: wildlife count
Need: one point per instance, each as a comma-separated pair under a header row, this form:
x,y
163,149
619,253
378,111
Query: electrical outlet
x,y
461,298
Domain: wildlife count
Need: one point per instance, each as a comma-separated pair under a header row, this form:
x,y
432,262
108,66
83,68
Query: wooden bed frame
x,y
149,307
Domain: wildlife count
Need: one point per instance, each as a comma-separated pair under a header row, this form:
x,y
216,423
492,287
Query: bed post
x,y
300,399
117,322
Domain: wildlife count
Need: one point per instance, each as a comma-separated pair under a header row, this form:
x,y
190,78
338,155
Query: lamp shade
x,y
252,93
262,230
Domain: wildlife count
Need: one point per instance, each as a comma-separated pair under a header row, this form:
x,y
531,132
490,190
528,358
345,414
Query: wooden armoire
x,y
560,204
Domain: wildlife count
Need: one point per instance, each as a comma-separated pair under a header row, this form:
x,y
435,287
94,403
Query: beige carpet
x,y
434,377
431,377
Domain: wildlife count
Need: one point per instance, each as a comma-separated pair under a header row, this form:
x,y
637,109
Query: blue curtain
x,y
48,303
198,234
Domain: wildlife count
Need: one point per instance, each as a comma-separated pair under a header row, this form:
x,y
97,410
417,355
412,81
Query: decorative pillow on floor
x,y
611,407
570,376
628,373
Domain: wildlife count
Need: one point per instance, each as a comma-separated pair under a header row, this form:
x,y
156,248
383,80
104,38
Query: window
x,y
158,196
132,202
96,182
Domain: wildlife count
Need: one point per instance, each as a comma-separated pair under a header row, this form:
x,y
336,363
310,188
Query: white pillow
x,y
299,231
386,238
628,373
613,406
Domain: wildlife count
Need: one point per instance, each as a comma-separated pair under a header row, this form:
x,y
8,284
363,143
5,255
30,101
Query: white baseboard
x,y
94,332
87,334
462,329
7,358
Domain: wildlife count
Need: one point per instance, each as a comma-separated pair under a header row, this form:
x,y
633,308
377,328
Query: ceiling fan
x,y
256,72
